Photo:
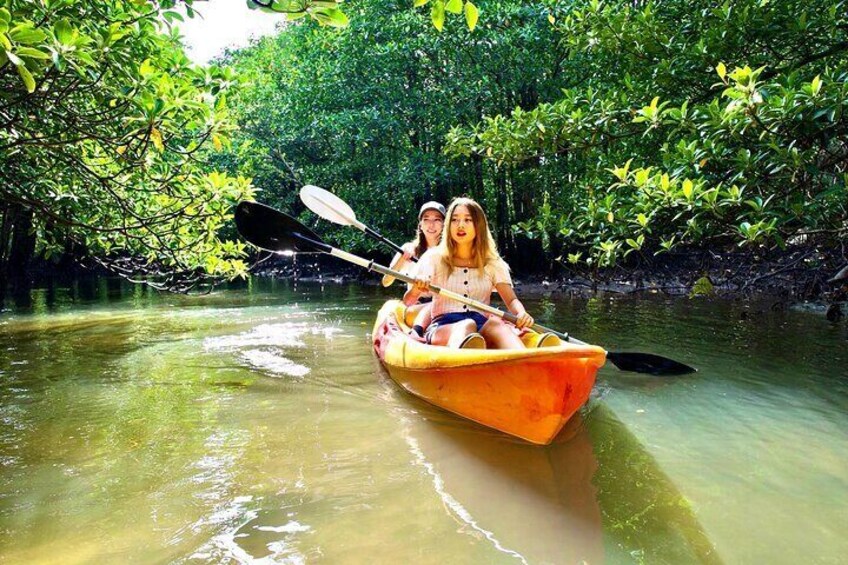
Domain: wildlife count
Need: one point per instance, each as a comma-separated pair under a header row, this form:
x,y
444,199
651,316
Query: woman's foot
x,y
473,341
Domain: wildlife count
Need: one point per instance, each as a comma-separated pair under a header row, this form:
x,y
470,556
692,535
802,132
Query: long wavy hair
x,y
484,251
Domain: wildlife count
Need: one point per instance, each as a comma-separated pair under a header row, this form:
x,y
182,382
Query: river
x,y
255,425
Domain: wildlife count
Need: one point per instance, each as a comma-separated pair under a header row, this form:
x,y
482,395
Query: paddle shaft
x,y
276,231
379,237
508,316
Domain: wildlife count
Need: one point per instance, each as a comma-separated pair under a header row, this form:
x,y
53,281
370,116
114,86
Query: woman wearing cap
x,y
431,219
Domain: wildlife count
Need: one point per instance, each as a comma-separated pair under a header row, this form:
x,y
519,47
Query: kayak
x,y
528,393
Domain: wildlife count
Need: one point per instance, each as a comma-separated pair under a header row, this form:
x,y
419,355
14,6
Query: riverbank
x,y
802,275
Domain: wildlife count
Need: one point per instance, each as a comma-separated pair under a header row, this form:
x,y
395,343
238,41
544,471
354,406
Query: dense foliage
x,y
103,121
599,129
591,131
364,110
331,12
686,123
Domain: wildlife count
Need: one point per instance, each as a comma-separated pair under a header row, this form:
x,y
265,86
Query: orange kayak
x,y
528,393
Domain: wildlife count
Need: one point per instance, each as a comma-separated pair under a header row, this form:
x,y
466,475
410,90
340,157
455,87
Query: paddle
x,y
276,231
332,208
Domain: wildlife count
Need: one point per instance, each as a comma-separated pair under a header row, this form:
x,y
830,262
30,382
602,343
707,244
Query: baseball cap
x,y
431,205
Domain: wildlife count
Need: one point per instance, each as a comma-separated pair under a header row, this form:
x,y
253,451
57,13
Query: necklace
x,y
463,262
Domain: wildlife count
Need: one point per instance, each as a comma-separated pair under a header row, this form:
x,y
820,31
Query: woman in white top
x,y
431,218
467,262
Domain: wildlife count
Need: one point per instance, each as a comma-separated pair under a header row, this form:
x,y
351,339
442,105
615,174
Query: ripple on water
x,y
254,535
266,346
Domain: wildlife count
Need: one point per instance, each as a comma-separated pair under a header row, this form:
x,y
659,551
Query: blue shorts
x,y
452,318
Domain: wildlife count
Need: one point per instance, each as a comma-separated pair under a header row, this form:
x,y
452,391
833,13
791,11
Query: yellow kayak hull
x,y
527,393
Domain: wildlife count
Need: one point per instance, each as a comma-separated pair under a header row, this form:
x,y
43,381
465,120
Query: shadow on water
x,y
594,495
643,511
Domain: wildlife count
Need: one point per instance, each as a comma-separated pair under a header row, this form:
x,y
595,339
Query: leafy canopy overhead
x,y
329,12
686,123
105,129
364,110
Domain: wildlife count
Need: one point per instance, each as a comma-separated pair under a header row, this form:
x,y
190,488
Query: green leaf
x,y
146,68
815,85
702,287
454,6
29,82
437,14
27,34
32,53
4,42
64,32
419,3
332,17
86,58
471,15
171,16
688,189
721,70
14,58
58,62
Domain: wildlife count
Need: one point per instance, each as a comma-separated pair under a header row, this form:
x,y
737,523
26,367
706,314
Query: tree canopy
x,y
364,110
593,132
600,130
686,123
104,127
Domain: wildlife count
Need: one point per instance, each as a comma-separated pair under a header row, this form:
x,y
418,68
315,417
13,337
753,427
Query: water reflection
x,y
536,504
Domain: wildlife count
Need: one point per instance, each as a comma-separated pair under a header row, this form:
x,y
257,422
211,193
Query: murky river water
x,y
256,426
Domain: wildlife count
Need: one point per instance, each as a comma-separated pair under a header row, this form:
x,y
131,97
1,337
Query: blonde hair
x,y
484,251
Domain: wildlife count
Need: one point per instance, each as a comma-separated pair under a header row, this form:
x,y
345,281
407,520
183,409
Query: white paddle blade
x,y
329,206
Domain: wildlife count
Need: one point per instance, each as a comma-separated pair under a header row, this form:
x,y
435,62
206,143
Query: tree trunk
x,y
22,247
502,212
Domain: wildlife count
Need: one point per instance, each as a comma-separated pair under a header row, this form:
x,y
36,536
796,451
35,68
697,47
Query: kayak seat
x,y
549,339
533,339
400,313
473,341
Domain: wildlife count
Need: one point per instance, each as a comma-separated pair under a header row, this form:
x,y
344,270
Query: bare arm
x,y
398,261
514,305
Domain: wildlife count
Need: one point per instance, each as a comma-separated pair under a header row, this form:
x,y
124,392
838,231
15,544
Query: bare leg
x,y
423,318
453,334
500,336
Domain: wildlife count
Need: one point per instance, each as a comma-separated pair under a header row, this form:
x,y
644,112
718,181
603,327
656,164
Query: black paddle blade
x,y
273,230
648,363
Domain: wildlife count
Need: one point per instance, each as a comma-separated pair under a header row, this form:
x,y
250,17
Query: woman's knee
x,y
493,325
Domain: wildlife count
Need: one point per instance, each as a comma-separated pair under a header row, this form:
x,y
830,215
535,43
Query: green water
x,y
254,425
